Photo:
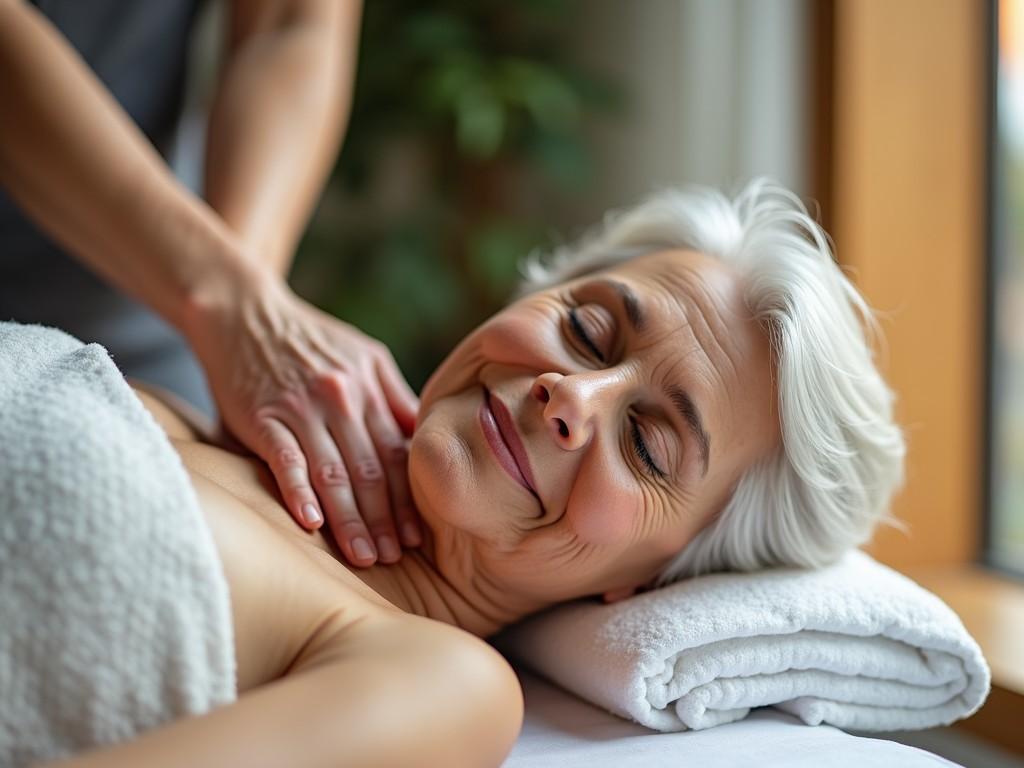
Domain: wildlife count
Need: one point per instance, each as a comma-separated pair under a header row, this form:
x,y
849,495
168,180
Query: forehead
x,y
683,278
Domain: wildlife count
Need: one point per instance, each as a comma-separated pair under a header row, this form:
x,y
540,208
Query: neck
x,y
439,581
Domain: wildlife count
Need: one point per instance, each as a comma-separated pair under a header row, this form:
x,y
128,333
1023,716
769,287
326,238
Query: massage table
x,y
561,730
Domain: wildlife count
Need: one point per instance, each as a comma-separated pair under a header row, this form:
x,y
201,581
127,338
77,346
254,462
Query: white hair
x,y
841,458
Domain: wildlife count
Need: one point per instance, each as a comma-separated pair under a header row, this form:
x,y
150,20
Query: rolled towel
x,y
854,644
114,609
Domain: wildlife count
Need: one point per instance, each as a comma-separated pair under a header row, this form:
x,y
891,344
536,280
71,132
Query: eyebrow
x,y
680,398
630,303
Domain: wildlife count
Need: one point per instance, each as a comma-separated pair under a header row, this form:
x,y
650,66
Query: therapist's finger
x,y
284,456
369,481
399,396
391,448
333,484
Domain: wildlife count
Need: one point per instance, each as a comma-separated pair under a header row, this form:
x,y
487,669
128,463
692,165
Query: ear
x,y
615,595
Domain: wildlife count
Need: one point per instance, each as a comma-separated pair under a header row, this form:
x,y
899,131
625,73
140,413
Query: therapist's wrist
x,y
219,295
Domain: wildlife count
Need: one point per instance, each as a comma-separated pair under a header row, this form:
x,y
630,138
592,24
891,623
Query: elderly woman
x,y
688,390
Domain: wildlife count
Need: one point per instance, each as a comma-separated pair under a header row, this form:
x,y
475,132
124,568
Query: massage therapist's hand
x,y
324,405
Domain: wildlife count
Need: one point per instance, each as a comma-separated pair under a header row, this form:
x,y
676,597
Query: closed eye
x,y
581,334
641,450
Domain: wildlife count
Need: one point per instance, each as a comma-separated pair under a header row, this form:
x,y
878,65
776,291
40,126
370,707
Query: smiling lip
x,y
501,435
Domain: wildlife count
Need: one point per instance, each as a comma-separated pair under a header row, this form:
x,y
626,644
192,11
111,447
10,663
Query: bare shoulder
x,y
460,701
388,690
179,419
298,620
282,596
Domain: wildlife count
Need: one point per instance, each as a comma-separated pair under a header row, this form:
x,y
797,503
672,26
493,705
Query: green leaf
x,y
479,122
548,98
447,81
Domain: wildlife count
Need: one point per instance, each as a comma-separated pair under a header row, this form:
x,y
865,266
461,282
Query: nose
x,y
572,404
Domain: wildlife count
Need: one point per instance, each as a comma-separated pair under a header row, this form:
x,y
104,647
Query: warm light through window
x,y
1006,539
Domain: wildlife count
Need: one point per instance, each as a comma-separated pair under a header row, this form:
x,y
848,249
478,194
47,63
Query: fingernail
x,y
311,514
411,534
362,549
388,548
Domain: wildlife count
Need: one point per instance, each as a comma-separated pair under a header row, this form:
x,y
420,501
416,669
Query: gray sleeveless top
x,y
138,49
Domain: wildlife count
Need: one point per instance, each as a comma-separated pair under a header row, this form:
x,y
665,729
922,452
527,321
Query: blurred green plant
x,y
465,127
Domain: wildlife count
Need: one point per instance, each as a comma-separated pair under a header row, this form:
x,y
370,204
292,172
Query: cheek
x,y
523,336
604,506
455,373
518,336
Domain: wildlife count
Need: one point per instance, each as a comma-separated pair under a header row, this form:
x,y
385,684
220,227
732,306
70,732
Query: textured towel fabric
x,y
114,609
855,645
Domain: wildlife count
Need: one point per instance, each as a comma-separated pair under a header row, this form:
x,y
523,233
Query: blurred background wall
x,y
484,130
716,93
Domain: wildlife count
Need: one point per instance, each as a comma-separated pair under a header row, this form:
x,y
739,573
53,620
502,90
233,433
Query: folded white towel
x,y
114,611
855,644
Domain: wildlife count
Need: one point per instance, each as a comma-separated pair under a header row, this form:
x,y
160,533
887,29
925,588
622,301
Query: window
x,y
1006,293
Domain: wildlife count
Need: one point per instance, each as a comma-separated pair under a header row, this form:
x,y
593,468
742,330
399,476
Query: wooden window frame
x,y
901,104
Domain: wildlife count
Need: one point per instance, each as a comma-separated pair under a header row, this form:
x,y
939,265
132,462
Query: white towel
x,y
114,610
855,645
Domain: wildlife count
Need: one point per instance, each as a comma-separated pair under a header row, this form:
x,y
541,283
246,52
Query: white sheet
x,y
563,731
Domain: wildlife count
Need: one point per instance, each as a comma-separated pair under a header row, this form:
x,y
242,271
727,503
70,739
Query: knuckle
x,y
375,407
266,434
333,384
267,417
262,414
396,454
338,388
287,458
333,473
369,473
292,401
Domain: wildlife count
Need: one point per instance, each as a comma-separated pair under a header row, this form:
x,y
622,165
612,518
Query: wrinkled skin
x,y
600,520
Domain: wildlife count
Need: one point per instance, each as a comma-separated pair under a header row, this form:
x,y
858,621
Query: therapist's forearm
x,y
278,118
81,169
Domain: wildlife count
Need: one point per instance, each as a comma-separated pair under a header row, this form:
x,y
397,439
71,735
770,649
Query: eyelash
x,y
581,334
639,446
641,450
